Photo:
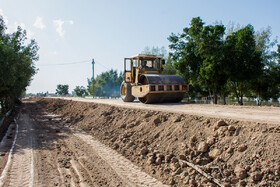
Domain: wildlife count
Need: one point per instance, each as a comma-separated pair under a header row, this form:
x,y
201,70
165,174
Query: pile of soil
x,y
181,149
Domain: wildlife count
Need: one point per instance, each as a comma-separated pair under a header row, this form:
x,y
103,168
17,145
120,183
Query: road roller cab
x,y
143,78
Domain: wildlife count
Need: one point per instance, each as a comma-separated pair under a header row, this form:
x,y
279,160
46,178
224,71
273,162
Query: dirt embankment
x,y
164,144
40,149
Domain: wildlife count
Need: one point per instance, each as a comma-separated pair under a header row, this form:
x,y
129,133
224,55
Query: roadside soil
x,y
179,144
262,114
42,149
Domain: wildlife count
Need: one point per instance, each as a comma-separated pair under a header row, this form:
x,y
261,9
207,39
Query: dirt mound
x,y
174,147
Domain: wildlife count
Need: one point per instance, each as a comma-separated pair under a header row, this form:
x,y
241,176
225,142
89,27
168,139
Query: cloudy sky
x,y
70,33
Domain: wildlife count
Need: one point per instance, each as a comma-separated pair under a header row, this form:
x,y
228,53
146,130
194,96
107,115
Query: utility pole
x,y
93,78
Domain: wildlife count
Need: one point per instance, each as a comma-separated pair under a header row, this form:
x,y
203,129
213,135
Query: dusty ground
x,y
229,150
45,151
195,145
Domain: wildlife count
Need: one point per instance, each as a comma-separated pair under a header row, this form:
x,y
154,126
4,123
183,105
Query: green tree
x,y
244,61
212,70
168,67
199,55
184,49
81,91
16,65
278,53
107,84
266,86
62,89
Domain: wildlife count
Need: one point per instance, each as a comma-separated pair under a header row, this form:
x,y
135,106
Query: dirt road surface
x,y
262,114
90,142
40,151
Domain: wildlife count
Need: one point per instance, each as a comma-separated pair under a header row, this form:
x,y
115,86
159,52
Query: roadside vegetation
x,y
17,58
240,63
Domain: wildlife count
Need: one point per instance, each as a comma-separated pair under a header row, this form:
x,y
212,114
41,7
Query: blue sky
x,y
69,31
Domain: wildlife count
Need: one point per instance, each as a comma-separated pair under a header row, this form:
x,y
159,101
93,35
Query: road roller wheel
x,y
126,92
162,98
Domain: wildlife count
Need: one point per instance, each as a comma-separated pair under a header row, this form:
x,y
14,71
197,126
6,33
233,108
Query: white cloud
x,y
5,18
39,23
58,24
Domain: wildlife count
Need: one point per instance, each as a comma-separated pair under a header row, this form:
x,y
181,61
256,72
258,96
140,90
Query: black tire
x,y
126,92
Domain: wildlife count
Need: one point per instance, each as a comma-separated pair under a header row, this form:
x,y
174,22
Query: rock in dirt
x,y
202,147
242,183
156,121
116,146
277,171
144,151
151,160
242,148
182,157
161,156
210,141
168,158
219,124
171,181
231,128
192,139
174,166
230,150
174,160
163,118
207,121
215,153
147,115
240,172
177,119
158,161
256,176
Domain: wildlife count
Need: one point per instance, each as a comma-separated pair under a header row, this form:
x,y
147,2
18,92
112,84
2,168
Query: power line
x,y
101,65
71,63
63,64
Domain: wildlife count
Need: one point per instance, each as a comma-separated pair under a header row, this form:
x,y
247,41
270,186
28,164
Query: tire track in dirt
x,y
8,163
47,153
21,171
129,172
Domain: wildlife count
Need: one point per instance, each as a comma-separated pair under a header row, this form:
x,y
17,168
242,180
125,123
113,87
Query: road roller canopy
x,y
147,56
146,61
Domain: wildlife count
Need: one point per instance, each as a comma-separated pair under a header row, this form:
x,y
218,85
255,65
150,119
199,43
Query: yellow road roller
x,y
143,78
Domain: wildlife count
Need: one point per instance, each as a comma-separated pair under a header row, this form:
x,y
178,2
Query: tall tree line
x,y
16,65
240,63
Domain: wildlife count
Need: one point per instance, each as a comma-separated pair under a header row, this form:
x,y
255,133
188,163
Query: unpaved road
x,y
47,153
261,114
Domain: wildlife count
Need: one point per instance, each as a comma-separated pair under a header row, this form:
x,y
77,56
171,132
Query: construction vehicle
x,y
143,78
